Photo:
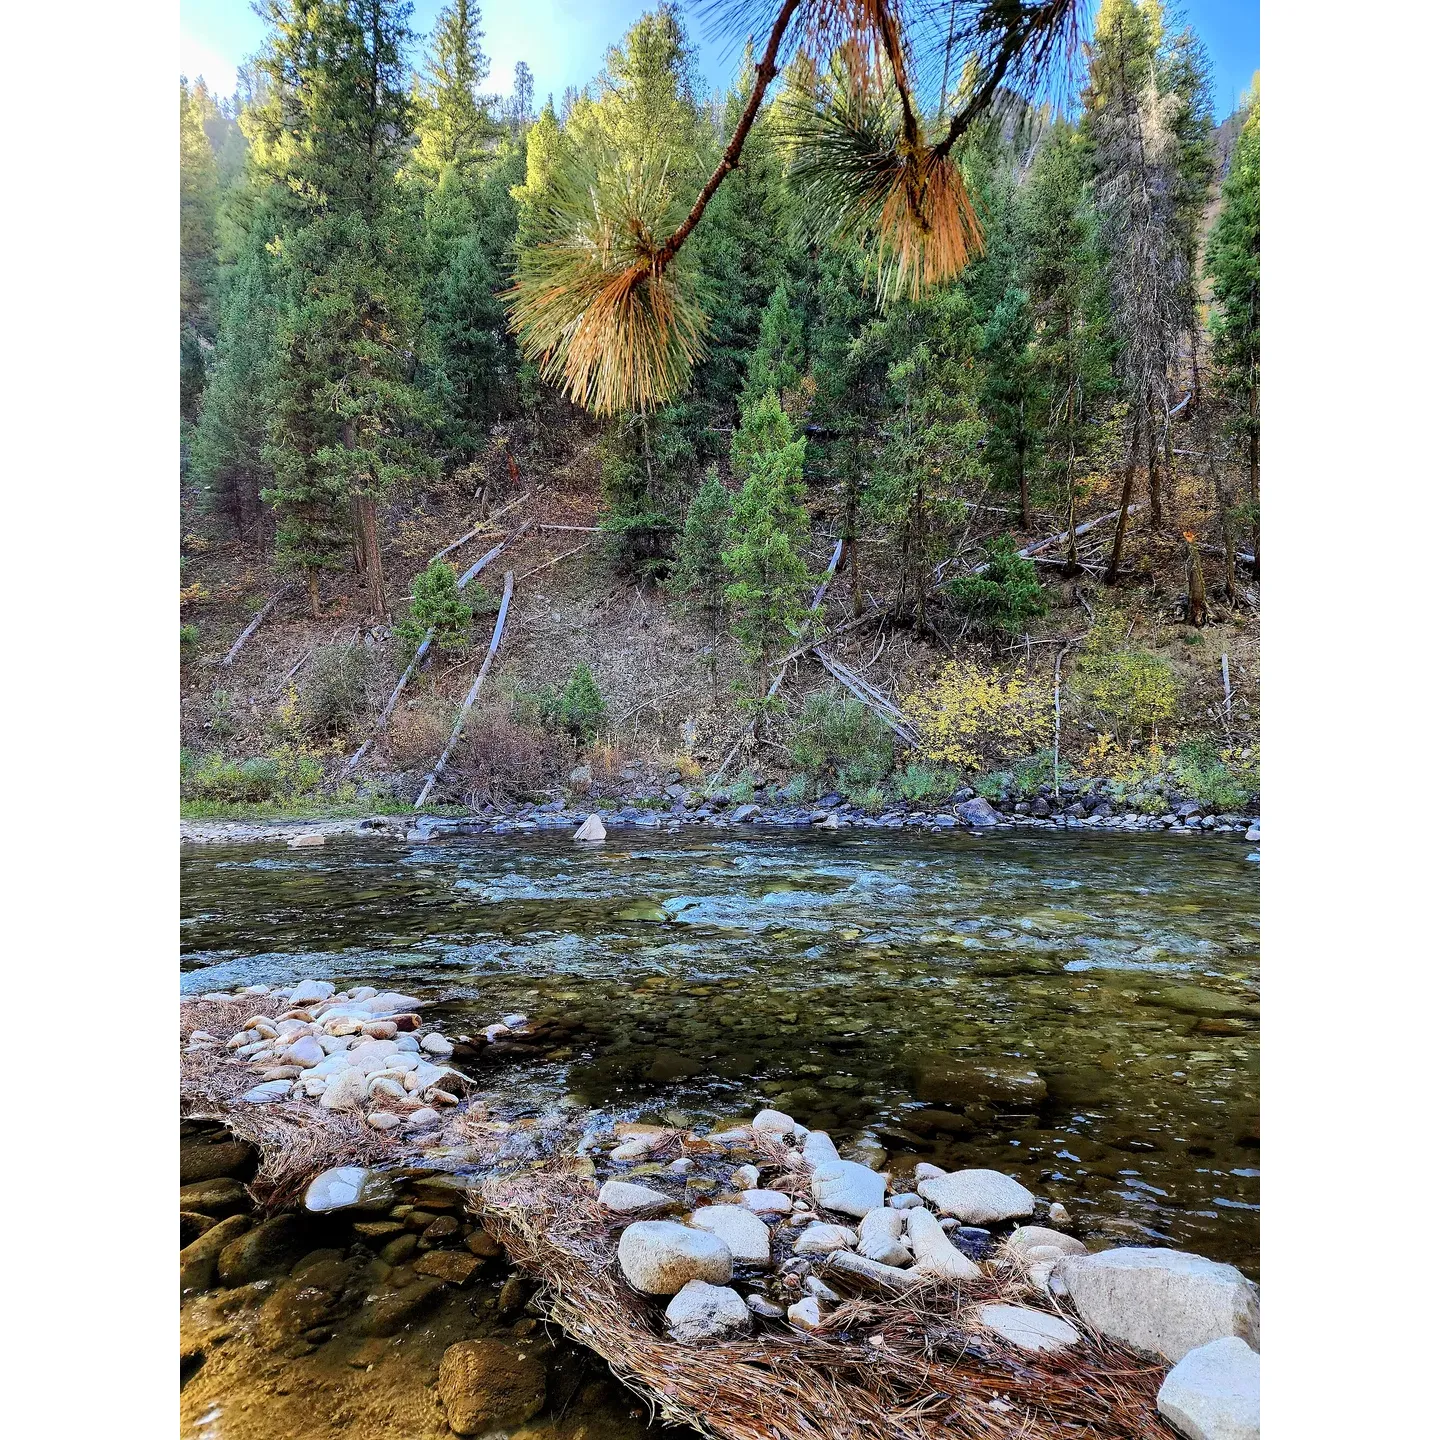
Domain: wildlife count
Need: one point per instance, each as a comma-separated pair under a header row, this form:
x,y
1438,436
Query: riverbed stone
x,y
805,1314
659,1257
1213,1393
934,1254
774,1122
766,1202
219,1197
880,1233
978,1197
308,991
820,1239
350,1187
847,1186
701,1311
200,1160
267,1092
1166,1302
954,1083
1026,1238
592,829
1033,1330
819,1149
746,1235
392,1312
745,1177
456,1267
488,1385
270,1246
198,1260
627,1199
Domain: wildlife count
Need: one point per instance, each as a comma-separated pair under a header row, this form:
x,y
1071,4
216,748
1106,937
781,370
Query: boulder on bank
x,y
1167,1302
1214,1392
744,1233
660,1257
934,1254
488,1385
1029,1329
849,1187
701,1311
627,1199
978,812
978,1197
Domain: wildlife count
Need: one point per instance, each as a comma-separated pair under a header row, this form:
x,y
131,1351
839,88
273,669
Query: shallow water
x,y
713,972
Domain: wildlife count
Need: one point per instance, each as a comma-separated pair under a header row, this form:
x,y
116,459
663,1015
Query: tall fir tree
x,y
700,576
454,128
199,198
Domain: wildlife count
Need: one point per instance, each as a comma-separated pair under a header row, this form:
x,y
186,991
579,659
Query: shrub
x,y
919,783
222,714
499,758
992,785
797,791
581,709
416,736
333,695
872,801
1006,594
968,716
1029,774
837,739
1203,774
283,774
1131,690
189,639
741,790
437,603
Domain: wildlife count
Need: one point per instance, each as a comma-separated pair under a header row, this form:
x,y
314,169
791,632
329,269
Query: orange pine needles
x,y
928,231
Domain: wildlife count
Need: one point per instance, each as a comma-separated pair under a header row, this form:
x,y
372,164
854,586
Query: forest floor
x,y
647,651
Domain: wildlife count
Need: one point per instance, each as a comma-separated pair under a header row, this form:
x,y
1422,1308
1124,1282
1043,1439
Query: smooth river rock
x,y
880,1233
350,1187
701,1311
1029,1237
934,1254
592,829
660,1257
1029,1329
765,1202
627,1199
977,1197
819,1149
1214,1392
1163,1301
746,1235
848,1187
820,1239
486,1385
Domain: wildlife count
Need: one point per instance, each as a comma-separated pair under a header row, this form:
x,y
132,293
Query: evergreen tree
x,y
333,132
775,363
768,531
1011,398
199,193
581,707
700,576
1232,261
454,130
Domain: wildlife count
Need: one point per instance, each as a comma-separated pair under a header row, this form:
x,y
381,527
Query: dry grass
x,y
910,1369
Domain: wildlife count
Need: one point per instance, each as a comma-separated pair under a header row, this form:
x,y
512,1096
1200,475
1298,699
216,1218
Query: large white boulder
x,y
592,829
308,991
661,1257
1163,1301
1029,1329
977,1197
848,1187
773,1122
819,1149
934,1254
1214,1392
627,1199
701,1311
747,1236
880,1233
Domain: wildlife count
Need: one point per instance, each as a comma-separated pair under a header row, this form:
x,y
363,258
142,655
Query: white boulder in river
x,y
746,1234
627,1199
934,1254
1214,1392
847,1186
701,1311
592,829
977,1197
1163,1301
659,1257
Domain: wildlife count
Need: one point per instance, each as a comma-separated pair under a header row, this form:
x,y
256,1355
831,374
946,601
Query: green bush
x,y
992,785
1133,692
581,709
437,603
333,693
741,790
283,774
1028,775
1203,775
798,790
222,714
838,739
189,639
872,801
920,784
1007,593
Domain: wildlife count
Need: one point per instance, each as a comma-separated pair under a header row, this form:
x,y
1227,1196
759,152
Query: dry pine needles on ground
x,y
916,1368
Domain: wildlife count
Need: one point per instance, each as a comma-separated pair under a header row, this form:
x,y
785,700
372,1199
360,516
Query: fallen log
x,y
435,774
479,527
871,698
254,624
421,651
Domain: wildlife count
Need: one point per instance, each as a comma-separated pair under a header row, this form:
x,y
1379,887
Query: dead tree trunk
x,y
1112,571
1194,582
435,774
254,625
374,567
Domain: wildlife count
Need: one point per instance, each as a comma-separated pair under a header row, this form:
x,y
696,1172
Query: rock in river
x,y
270,1246
627,1199
1214,1392
349,1187
701,1311
199,1258
820,1239
978,1197
934,1254
746,1235
846,1186
659,1257
880,1233
951,1083
1164,1301
488,1385
592,829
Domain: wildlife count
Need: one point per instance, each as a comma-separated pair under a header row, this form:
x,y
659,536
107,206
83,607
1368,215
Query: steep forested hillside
x,y
957,486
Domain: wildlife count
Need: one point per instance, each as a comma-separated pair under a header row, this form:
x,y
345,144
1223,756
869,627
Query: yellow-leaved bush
x,y
973,717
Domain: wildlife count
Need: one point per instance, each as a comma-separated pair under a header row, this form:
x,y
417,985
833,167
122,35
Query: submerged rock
x,y
659,1257
348,1187
1167,1302
701,1311
1214,1392
198,1259
488,1385
978,1197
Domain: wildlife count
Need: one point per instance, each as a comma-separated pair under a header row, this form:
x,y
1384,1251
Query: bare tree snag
x,y
435,774
1112,571
1194,581
254,624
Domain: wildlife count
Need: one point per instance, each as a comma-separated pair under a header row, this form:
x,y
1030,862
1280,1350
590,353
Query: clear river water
x,y
1078,1010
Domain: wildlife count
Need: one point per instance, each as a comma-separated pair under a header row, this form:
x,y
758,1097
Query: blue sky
x,y
564,41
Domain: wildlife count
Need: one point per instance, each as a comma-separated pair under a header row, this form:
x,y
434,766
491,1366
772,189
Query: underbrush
x,y
284,775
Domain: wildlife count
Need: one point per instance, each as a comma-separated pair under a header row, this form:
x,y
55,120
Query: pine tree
x,y
199,194
332,133
454,130
775,363
1232,261
1011,398
700,576
768,530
